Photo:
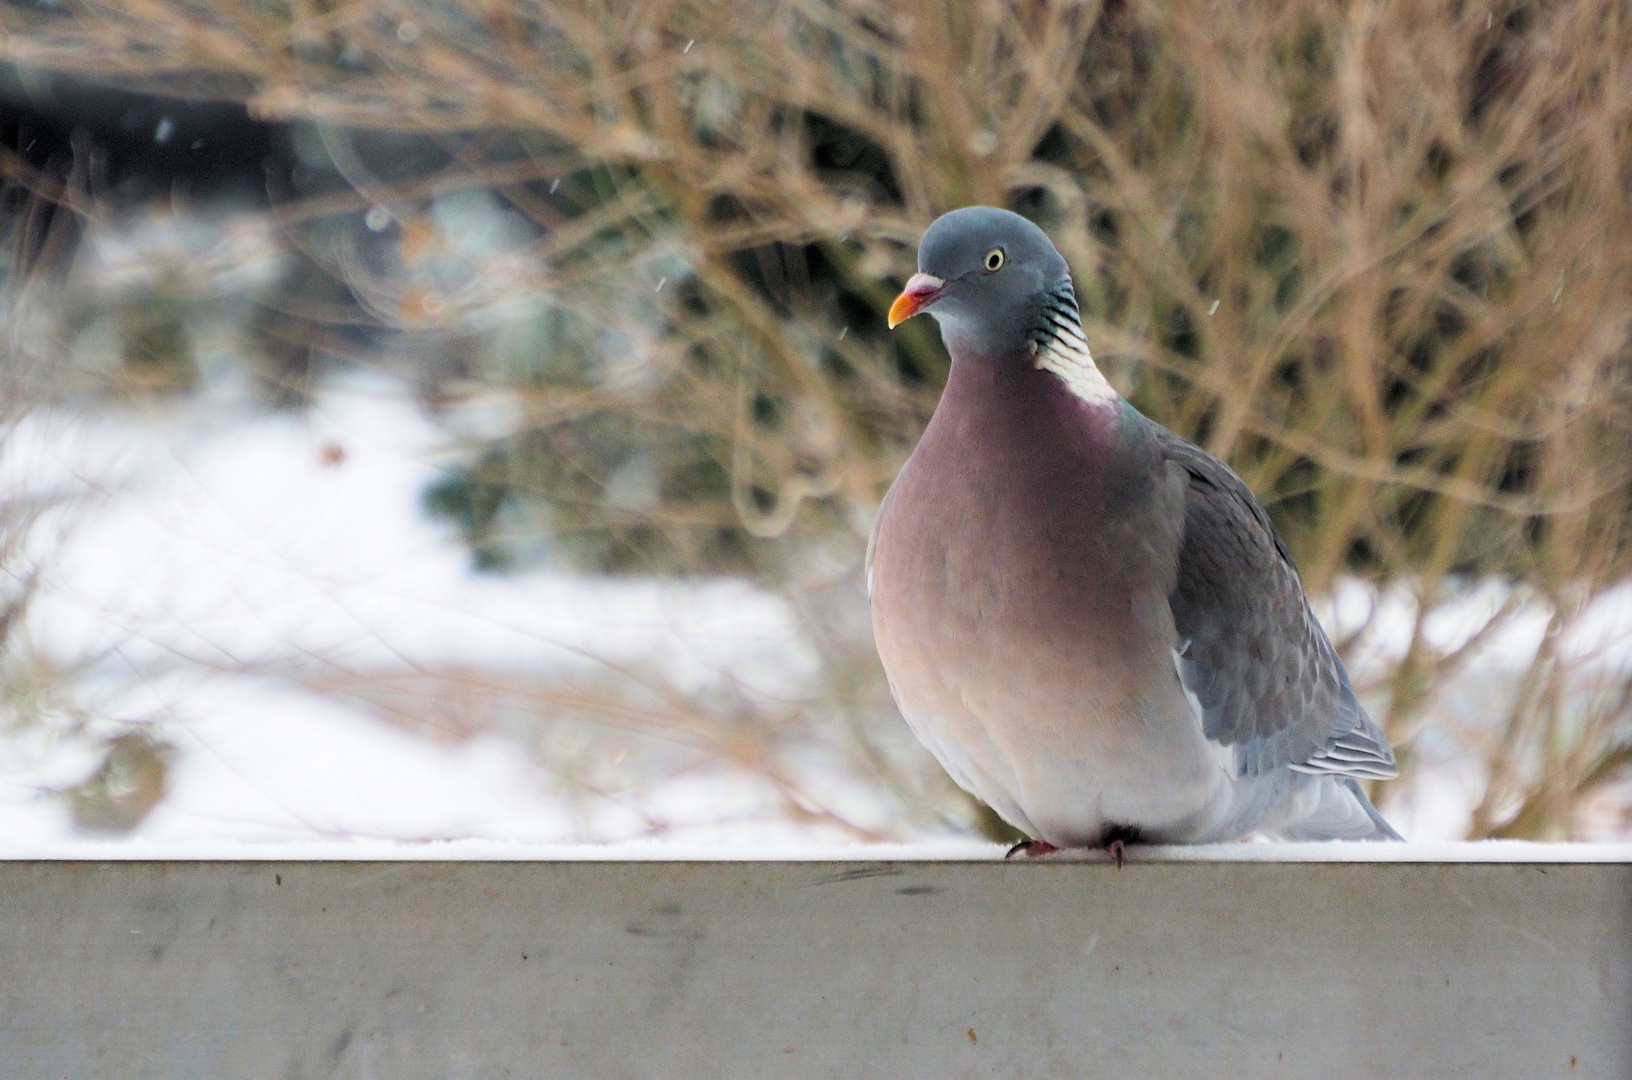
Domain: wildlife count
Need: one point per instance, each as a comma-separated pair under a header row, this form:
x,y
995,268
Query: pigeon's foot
x,y
1031,849
1115,839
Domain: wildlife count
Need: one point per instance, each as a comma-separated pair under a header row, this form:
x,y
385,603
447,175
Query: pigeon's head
x,y
985,274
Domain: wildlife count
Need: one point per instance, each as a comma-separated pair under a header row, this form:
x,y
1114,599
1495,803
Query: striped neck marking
x,y
1061,347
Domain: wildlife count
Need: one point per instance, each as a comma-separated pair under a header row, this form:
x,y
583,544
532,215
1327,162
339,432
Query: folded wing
x,y
1250,649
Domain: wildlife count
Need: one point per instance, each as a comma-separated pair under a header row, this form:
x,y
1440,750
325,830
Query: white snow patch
x,y
374,849
223,537
242,543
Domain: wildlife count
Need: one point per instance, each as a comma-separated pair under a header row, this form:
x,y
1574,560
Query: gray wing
x,y
1250,649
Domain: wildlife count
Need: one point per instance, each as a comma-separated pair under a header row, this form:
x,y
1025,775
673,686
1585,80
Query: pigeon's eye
x,y
994,260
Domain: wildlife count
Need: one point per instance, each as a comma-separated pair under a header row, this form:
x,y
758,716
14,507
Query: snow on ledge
x,y
963,851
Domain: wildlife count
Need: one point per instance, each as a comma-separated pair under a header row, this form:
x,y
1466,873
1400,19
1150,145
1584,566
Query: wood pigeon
x,y
1091,623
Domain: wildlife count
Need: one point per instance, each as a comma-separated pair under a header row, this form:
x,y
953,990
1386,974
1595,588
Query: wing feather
x,y
1268,680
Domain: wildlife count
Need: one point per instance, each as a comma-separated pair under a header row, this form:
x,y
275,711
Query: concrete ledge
x,y
1166,968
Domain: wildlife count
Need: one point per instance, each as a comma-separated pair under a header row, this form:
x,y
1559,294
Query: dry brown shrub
x,y
1377,255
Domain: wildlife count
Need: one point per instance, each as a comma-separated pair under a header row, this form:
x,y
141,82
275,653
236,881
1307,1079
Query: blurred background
x,y
464,418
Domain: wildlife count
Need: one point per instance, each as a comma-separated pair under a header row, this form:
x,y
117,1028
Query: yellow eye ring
x,y
994,260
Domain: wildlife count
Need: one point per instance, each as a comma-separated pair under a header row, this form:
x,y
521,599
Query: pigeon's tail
x,y
1385,831
1329,808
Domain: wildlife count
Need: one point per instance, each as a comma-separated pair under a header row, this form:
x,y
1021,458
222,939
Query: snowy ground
x,y
228,539
796,847
223,539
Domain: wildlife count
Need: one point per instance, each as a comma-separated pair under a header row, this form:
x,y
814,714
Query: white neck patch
x,y
1062,348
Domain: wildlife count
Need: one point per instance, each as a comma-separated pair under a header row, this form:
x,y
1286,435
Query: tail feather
x,y
1384,829
1331,808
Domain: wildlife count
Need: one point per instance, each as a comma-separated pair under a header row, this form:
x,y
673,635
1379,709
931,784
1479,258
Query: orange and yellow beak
x,y
921,291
